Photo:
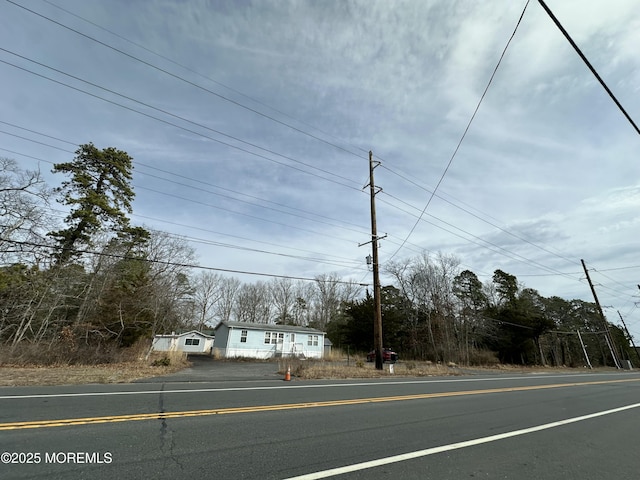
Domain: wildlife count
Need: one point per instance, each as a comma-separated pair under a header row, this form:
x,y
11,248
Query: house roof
x,y
270,327
190,332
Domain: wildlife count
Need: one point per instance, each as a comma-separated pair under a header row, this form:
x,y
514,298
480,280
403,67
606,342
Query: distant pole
x,y
635,349
604,320
377,314
584,350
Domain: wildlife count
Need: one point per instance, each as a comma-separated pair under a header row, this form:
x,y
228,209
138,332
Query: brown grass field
x,y
60,374
335,367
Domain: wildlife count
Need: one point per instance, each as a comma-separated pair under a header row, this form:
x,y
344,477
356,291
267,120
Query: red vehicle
x,y
388,355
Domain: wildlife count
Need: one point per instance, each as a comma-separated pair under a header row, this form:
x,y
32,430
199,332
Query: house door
x,y
289,343
280,344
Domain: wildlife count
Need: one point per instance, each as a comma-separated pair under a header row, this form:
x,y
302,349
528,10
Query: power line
x,y
176,264
165,112
484,220
246,202
234,236
588,64
170,60
497,249
263,200
464,134
206,183
173,75
344,261
500,250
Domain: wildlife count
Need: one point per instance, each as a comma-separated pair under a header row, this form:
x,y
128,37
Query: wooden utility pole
x,y
635,349
377,309
604,320
584,350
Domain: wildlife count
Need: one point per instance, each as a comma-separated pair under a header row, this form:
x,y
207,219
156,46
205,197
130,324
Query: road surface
x,y
564,426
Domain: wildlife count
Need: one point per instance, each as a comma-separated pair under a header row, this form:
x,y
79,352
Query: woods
x,y
88,289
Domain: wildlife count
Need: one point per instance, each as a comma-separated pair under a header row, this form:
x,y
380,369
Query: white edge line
x,y
453,446
286,387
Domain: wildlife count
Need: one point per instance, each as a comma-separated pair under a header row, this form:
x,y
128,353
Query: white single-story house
x,y
189,342
261,340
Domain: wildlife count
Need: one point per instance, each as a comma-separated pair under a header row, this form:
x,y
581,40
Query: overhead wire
x,y
496,248
178,77
334,145
255,217
499,250
478,217
151,167
482,242
201,75
182,118
361,231
588,64
180,264
179,117
327,259
464,134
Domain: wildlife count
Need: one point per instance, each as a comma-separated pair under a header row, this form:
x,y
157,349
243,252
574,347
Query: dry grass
x,y
124,372
314,369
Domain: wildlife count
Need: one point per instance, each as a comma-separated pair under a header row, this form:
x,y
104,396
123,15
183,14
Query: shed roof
x,y
190,332
270,327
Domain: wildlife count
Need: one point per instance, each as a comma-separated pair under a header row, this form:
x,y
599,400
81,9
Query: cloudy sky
x,y
250,124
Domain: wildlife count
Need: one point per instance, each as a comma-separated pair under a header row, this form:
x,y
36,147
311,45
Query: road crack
x,y
167,441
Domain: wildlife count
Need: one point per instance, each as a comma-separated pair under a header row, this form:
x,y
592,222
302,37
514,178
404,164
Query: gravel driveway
x,y
207,369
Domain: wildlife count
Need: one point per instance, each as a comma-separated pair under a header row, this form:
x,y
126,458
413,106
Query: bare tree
x,y
301,311
427,284
206,295
253,303
23,196
228,290
170,258
283,296
331,293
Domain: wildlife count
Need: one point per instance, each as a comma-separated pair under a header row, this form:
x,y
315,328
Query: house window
x,y
293,338
312,340
192,341
273,337
243,336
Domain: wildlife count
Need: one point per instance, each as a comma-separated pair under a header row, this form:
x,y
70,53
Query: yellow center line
x,y
289,406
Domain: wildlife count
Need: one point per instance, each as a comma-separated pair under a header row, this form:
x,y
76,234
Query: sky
x,y
250,124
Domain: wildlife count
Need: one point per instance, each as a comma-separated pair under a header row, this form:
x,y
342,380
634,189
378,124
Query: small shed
x,y
258,340
189,342
327,346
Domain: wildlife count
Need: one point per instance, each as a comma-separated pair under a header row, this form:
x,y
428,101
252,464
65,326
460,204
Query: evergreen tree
x,y
99,193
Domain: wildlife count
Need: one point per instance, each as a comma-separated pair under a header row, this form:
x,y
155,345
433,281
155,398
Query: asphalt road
x,y
576,426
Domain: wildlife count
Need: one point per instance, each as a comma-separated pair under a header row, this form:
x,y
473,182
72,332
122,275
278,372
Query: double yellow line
x,y
290,406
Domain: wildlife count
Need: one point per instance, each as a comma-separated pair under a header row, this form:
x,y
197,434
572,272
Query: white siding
x,y
190,342
267,342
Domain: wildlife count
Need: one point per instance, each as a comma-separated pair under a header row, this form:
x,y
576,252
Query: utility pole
x,y
604,320
635,349
377,307
584,350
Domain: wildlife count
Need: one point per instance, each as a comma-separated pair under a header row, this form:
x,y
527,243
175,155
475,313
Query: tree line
x,y
436,312
80,290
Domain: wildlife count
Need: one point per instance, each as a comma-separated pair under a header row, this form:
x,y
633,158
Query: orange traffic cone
x,y
287,376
